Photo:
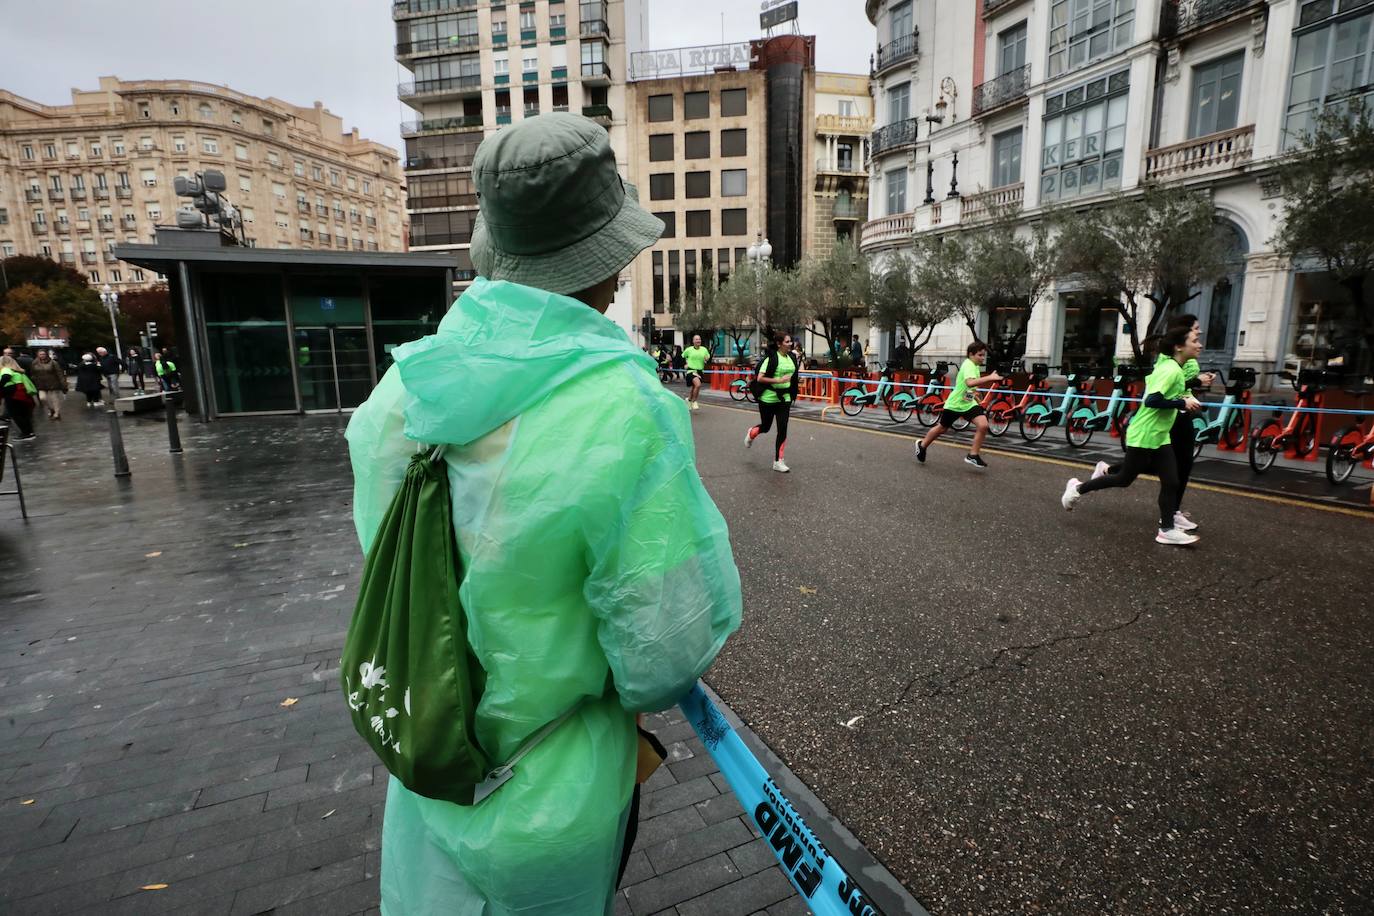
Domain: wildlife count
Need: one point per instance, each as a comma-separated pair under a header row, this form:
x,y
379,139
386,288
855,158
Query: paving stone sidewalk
x,y
169,709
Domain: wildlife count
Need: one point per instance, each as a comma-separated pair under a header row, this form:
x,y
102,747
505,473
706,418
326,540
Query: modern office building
x,y
1035,103
474,66
734,143
699,159
75,180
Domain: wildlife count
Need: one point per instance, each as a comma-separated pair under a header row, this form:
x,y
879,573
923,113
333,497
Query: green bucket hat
x,y
555,213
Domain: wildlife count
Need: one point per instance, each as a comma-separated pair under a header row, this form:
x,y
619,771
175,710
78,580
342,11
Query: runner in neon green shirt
x,y
696,357
1147,439
778,372
1182,434
963,403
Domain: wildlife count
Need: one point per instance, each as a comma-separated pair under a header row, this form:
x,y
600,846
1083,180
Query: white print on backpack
x,y
373,676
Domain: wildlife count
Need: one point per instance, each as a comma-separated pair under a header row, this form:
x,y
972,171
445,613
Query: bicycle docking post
x,y
121,460
169,408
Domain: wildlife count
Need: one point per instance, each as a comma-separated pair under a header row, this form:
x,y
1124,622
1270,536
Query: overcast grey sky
x,y
339,52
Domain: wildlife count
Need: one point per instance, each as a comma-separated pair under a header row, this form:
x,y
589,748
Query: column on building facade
x,y
1263,319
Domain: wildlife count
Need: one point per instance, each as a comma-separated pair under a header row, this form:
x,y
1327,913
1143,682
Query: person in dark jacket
x,y
110,367
133,362
88,377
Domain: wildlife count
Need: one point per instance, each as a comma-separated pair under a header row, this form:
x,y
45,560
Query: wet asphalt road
x,y
1051,713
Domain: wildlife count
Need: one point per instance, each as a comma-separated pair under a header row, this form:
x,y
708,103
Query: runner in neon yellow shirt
x,y
697,357
962,402
778,372
1147,438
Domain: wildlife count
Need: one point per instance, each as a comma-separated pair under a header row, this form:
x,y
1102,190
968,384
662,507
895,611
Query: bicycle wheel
x,y
999,418
960,424
739,390
900,407
850,403
1034,422
1265,446
1305,440
1340,460
1077,430
1234,434
928,409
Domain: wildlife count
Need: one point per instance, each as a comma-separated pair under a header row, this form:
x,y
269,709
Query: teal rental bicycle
x,y
1039,416
1229,425
899,404
1085,420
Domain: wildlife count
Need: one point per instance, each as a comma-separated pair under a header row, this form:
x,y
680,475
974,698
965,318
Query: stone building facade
x,y
75,180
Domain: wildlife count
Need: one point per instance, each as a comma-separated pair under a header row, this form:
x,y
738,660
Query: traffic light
x,y
647,328
152,329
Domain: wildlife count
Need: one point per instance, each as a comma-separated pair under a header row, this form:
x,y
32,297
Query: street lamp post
x,y
760,255
111,300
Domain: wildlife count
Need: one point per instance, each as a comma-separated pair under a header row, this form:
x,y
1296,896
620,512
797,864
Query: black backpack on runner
x,y
756,387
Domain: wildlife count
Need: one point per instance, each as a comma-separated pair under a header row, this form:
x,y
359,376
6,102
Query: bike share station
x,y
290,331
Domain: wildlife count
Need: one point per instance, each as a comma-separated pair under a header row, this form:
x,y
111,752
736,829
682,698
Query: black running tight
x,y
1160,461
767,413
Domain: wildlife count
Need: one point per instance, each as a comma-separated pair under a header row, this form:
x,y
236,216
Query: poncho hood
x,y
501,349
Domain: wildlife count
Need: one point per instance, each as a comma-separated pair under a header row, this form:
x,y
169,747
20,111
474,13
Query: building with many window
x,y
75,180
698,159
734,143
474,66
1040,103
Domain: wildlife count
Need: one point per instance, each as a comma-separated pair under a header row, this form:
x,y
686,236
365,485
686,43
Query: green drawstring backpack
x,y
411,680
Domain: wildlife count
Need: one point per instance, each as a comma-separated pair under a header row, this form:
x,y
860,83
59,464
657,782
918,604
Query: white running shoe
x,y
1071,494
1175,538
748,439
1183,522
1101,469
779,466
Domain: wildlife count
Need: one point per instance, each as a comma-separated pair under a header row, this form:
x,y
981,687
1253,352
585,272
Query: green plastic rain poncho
x,y
595,565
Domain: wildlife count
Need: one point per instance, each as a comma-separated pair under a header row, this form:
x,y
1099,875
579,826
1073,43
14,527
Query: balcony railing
x,y
594,28
438,162
842,125
596,72
441,201
598,113
101,193
440,124
33,195
123,190
448,84
372,220
68,257
1183,16
894,135
89,257
977,206
1003,90
39,228
447,43
887,230
1219,152
897,51
845,211
55,194
848,167
414,7
321,210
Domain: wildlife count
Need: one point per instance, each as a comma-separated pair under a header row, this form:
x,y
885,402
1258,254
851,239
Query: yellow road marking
x,y
1064,462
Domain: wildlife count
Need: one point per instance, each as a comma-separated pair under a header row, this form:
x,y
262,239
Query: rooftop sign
x,y
652,65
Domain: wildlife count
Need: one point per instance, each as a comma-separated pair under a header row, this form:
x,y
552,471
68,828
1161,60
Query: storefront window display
x,y
1089,331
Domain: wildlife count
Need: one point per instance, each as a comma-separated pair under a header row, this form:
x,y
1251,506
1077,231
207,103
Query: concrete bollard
x,y
121,460
169,406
